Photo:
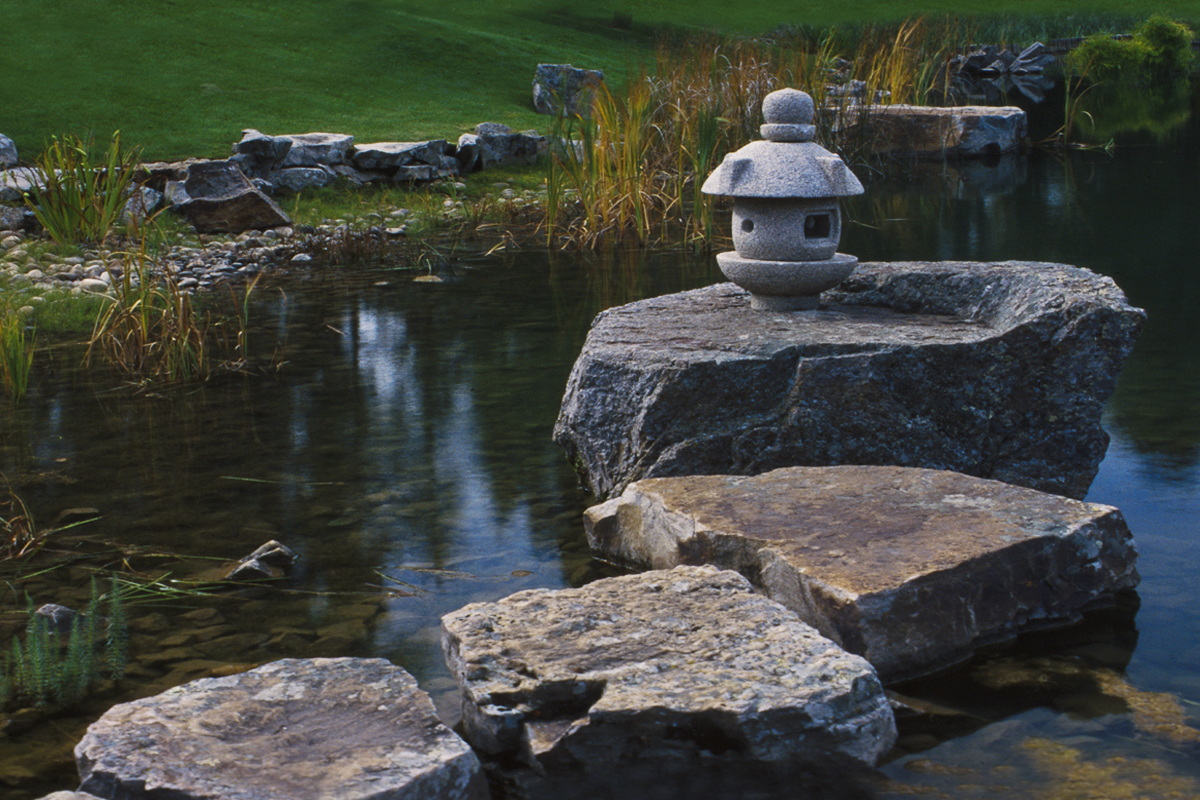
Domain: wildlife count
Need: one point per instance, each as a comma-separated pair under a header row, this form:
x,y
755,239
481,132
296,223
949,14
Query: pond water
x,y
404,452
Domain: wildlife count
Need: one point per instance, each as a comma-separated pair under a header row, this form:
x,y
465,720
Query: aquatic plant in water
x,y
16,355
62,667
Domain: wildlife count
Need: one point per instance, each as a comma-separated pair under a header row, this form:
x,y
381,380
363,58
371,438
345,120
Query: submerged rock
x,y
664,668
998,370
910,568
319,729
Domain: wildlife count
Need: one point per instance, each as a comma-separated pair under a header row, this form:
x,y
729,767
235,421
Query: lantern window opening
x,y
817,226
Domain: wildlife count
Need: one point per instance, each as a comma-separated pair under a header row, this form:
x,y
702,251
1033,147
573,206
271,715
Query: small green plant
x,y
51,666
77,199
16,355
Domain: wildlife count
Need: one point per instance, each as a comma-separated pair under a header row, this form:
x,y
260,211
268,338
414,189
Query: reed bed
x,y
632,172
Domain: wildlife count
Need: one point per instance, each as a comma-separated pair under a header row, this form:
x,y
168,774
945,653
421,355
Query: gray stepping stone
x,y
910,568
317,729
659,668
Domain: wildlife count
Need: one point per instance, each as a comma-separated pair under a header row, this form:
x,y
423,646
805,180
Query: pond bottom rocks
x,y
319,729
909,568
664,668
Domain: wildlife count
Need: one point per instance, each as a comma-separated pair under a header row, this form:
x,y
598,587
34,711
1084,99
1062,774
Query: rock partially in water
x,y
910,568
998,370
320,729
58,618
271,560
666,668
949,132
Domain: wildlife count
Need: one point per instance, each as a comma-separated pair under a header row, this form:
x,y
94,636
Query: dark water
x,y
404,451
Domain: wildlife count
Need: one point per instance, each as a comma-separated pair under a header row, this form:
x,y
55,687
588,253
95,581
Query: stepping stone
x,y
912,569
659,668
319,729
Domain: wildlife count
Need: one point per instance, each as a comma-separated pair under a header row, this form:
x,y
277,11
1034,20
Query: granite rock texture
x,y
953,132
8,152
910,568
319,729
998,370
563,90
221,199
659,667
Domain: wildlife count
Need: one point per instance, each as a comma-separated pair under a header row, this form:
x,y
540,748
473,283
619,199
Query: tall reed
x,y
633,170
150,328
78,199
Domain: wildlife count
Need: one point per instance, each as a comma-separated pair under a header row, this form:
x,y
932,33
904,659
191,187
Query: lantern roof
x,y
781,170
787,162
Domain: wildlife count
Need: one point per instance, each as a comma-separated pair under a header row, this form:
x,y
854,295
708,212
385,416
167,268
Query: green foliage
x,y
16,355
381,69
1159,48
635,172
77,199
1170,45
52,667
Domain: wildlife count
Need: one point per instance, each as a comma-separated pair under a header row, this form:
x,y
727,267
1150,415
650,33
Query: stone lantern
x,y
786,220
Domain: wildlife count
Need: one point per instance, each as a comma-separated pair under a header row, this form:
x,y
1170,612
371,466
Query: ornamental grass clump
x,y
632,171
78,199
50,666
150,327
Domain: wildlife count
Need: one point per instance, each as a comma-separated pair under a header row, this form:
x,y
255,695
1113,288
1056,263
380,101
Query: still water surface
x,y
404,451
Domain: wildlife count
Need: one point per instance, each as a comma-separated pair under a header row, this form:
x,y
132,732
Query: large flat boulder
x,y
998,370
659,669
319,729
910,568
944,132
317,149
392,155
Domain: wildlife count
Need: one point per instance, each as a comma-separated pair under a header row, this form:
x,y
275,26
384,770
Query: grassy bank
x,y
185,79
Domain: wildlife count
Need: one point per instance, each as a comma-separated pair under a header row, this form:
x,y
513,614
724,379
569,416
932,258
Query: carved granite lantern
x,y
786,219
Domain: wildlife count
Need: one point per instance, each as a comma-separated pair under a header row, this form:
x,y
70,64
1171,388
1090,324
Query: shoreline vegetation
x,y
630,178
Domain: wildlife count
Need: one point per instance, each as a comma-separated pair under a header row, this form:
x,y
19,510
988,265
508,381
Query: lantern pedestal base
x,y
786,285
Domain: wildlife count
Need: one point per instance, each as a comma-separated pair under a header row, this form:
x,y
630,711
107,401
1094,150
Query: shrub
x,y
1159,48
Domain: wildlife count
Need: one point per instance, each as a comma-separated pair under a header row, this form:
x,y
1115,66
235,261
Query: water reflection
x,y
405,452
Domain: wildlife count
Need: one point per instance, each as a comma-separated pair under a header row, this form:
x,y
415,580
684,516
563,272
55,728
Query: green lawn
x,y
184,78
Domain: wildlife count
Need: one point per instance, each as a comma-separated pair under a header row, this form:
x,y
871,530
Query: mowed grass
x,y
184,78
